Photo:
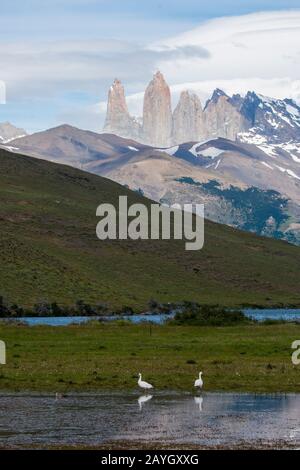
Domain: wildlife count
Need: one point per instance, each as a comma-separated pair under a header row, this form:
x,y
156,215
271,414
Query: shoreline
x,y
140,445
136,392
148,313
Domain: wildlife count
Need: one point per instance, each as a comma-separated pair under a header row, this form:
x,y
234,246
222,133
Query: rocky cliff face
x,y
223,118
118,120
277,121
188,119
157,113
272,124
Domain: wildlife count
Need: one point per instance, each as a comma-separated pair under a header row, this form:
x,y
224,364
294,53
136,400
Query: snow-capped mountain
x,y
8,132
276,120
270,123
275,126
240,183
238,155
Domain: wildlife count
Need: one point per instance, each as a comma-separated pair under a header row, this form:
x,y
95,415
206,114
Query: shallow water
x,y
210,419
64,321
273,314
257,314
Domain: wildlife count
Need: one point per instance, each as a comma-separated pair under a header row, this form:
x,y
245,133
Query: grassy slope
x,y
93,357
49,250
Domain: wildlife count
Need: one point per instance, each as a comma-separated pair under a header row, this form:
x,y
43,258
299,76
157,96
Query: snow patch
x,y
13,138
252,138
267,165
289,172
218,163
292,110
292,148
268,149
170,151
11,149
195,146
211,152
296,159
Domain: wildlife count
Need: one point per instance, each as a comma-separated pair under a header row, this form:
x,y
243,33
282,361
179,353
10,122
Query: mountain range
x,y
243,185
253,118
238,155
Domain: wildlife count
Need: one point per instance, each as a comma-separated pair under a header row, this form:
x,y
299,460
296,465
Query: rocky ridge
x,y
252,119
8,132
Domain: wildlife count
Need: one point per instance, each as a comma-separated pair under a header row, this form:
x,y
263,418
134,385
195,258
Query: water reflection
x,y
199,402
143,399
210,419
295,433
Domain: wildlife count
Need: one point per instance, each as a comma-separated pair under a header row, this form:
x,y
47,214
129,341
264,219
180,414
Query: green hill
x,y
49,250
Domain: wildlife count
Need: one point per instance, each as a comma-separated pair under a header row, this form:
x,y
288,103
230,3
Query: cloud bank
x,y
259,51
2,92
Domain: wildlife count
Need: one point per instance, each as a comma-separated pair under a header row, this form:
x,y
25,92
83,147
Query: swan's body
x,y
199,382
143,384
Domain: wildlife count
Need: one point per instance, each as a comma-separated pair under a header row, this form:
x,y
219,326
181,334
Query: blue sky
x,y
59,57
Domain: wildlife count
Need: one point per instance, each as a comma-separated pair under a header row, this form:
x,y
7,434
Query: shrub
x,y
42,309
207,315
3,308
83,309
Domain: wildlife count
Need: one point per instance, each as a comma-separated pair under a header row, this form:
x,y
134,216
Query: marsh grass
x,y
101,356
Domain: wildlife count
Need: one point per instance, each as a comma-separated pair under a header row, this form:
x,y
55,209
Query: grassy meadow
x,y
107,356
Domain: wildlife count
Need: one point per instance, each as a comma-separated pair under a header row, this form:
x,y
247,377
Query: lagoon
x,y
257,314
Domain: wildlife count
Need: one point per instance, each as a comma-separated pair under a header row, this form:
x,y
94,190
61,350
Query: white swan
x,y
143,399
199,382
143,384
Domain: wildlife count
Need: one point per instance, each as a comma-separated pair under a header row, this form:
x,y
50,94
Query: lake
x,y
212,419
258,314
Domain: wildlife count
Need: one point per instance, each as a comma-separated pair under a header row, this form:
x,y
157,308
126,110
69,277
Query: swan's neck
x,y
200,373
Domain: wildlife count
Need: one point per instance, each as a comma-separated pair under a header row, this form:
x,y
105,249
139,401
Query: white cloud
x,y
263,45
56,66
2,92
259,52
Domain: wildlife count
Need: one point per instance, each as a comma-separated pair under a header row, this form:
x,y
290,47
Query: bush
x,y
155,307
207,315
83,309
42,309
3,308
